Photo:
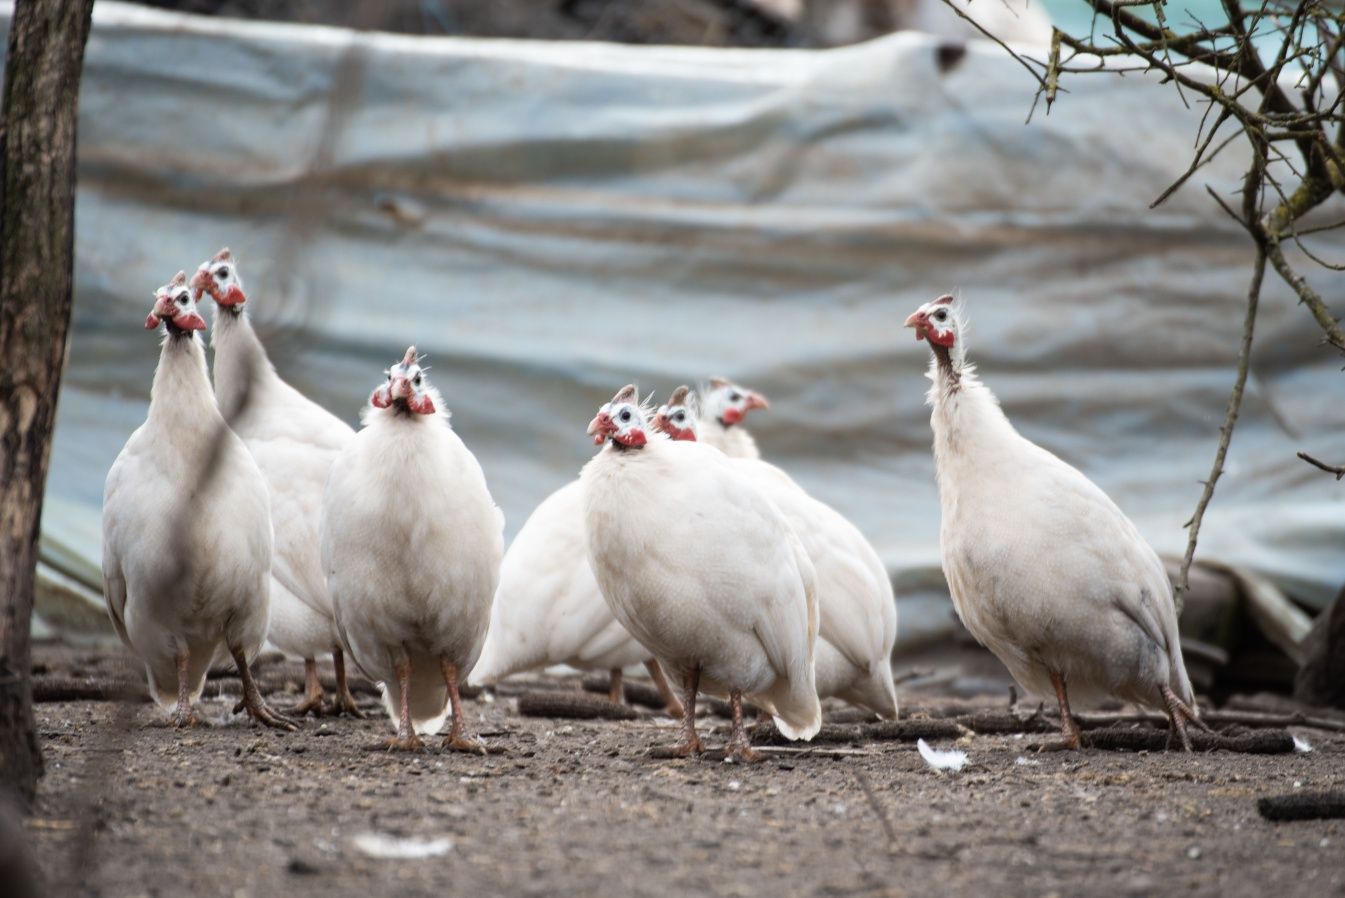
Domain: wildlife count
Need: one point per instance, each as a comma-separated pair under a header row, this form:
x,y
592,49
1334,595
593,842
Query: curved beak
x,y
201,282
400,388
600,427
755,400
662,423
920,321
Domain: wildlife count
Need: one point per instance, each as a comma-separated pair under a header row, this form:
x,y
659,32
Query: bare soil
x,y
130,807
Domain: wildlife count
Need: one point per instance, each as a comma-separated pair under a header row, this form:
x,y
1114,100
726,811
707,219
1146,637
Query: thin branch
x,y
1230,417
1306,295
1338,470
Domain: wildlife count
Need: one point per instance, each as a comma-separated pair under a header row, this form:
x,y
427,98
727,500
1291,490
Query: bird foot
x,y
404,743
344,703
689,747
312,704
464,744
262,713
183,719
742,754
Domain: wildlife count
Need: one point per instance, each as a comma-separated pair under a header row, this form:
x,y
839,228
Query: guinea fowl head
x,y
729,403
175,308
407,389
621,420
937,321
677,418
940,321
218,276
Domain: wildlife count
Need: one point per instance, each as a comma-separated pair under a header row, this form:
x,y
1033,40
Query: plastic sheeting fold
x,y
549,221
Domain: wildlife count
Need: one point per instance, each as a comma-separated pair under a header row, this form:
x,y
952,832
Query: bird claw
x,y
742,754
263,714
186,719
310,705
404,743
688,748
459,743
344,704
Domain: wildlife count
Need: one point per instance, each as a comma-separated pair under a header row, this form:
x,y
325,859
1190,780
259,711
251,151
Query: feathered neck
x,y
181,395
399,413
969,426
241,364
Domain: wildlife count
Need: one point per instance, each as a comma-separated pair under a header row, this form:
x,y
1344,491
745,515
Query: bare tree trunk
x,y
37,230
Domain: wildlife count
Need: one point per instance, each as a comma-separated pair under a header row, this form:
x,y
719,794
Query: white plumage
x,y
1044,569
411,546
187,529
726,405
704,570
856,607
548,608
294,441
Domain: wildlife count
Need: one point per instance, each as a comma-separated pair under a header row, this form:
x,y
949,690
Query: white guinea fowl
x,y
726,405
549,610
857,611
411,546
294,441
704,570
187,529
1044,569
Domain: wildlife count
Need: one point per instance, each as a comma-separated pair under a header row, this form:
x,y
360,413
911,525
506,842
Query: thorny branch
x,y
1275,70
1338,470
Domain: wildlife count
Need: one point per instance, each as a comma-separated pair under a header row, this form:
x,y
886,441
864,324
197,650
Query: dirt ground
x,y
128,807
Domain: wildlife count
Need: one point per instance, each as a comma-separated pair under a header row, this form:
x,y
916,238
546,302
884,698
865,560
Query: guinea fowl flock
x,y
677,548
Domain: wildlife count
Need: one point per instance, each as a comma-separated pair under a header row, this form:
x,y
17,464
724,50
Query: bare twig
x,y
1338,470
1230,417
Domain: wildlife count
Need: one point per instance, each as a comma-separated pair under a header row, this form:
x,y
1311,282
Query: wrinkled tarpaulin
x,y
549,221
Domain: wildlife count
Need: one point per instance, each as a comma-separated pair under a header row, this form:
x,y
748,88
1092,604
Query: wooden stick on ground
x,y
1303,806
1253,742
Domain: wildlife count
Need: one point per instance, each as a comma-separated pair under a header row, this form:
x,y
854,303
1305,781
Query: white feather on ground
x,y
952,760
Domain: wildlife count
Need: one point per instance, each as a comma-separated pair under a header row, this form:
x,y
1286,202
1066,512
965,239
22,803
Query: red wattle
x,y
421,405
919,335
151,322
234,296
945,339
381,398
633,438
192,321
731,416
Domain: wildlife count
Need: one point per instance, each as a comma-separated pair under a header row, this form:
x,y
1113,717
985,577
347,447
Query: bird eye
x,y
735,396
222,272
680,416
417,380
625,414
940,315
182,300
